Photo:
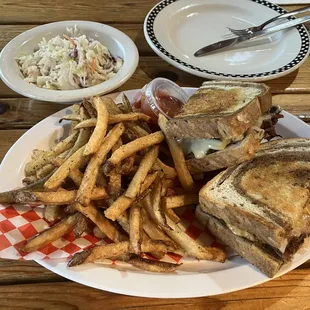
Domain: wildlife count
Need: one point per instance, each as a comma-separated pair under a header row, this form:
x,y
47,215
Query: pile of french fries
x,y
109,174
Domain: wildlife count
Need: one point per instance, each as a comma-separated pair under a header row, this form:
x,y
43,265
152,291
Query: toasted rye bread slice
x,y
221,110
234,154
266,196
256,255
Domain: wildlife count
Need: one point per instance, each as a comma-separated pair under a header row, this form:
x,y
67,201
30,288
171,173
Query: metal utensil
x,y
251,30
249,37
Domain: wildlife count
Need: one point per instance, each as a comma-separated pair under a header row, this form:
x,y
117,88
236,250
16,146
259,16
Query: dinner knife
x,y
251,37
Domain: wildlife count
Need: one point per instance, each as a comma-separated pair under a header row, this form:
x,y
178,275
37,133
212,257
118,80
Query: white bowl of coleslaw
x,y
67,61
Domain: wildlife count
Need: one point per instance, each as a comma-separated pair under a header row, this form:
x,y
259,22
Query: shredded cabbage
x,y
68,63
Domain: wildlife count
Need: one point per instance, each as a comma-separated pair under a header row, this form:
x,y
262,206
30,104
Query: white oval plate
x,y
176,29
194,279
118,43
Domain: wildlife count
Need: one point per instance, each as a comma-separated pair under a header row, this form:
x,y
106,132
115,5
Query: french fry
x,y
168,171
152,203
76,176
9,196
81,226
136,130
89,108
115,183
171,214
153,248
132,147
98,193
31,179
75,110
126,167
33,165
152,265
124,222
100,130
98,233
144,168
104,224
51,212
83,135
101,180
42,172
148,181
99,252
48,236
115,178
36,153
129,117
88,123
92,170
167,183
114,119
58,198
120,205
63,171
151,229
126,104
158,246
70,117
45,170
180,200
178,157
218,254
191,247
69,209
135,229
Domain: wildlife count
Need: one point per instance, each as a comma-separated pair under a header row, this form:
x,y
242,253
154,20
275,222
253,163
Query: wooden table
x,y
25,284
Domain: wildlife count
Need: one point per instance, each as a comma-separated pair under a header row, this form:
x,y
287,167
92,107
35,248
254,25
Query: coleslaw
x,y
72,62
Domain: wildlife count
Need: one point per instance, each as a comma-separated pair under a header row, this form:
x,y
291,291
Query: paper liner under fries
x,y
21,222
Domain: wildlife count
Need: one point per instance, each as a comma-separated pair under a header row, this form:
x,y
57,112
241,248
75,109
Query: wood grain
x,y
288,292
17,272
294,103
18,114
38,11
8,138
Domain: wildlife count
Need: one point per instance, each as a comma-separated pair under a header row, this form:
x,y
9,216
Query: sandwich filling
x,y
201,147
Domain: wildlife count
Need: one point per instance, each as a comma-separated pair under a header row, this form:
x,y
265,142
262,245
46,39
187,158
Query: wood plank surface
x,y
16,272
38,11
7,139
288,292
27,285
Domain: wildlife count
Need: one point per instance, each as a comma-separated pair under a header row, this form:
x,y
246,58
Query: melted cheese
x,y
240,232
200,147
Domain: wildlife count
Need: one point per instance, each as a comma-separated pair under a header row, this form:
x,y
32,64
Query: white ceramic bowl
x,y
116,41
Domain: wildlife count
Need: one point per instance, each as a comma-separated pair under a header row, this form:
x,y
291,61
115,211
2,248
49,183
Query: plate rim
x,y
261,76
154,290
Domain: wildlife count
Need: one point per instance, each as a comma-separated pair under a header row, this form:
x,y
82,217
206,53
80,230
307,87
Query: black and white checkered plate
x,y
286,52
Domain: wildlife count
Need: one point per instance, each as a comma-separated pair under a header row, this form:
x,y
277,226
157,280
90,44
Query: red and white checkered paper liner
x,y
21,222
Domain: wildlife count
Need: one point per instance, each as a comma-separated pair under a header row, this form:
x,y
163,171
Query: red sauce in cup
x,y
160,96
